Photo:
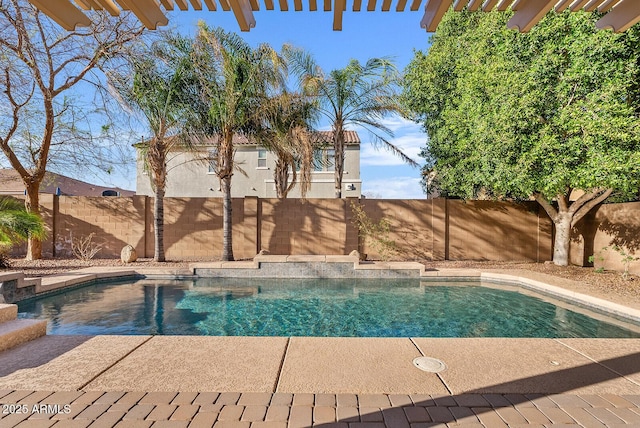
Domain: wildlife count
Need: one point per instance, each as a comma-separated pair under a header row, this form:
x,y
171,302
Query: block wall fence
x,y
423,229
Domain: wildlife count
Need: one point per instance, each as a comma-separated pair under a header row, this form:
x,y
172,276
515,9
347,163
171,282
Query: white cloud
x,y
409,143
394,188
408,137
396,123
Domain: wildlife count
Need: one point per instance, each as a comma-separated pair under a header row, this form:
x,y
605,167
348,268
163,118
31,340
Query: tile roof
x,y
322,137
11,183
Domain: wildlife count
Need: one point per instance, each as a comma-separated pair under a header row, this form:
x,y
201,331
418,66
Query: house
x,y
57,184
191,175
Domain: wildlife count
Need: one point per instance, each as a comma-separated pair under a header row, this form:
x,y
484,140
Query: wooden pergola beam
x,y
528,13
243,13
338,8
63,13
147,11
109,6
619,14
625,14
434,10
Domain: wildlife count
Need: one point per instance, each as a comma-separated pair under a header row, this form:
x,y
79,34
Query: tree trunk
x,y
567,215
158,222
227,247
562,241
157,158
32,204
338,147
281,178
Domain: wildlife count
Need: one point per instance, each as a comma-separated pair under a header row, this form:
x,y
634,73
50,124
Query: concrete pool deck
x,y
179,381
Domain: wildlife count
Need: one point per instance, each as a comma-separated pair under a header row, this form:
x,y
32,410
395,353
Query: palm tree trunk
x,y
227,229
32,204
281,178
158,219
338,146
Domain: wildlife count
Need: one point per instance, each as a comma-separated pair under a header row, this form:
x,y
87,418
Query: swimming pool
x,y
314,307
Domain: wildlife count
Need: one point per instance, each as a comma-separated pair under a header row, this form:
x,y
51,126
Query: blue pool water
x,y
319,307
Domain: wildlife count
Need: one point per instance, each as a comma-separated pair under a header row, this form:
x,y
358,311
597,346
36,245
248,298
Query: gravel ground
x,y
598,284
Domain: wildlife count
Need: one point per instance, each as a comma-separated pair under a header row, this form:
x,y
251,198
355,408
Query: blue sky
x,y
364,35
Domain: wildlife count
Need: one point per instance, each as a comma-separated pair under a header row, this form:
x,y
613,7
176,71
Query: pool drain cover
x,y
428,364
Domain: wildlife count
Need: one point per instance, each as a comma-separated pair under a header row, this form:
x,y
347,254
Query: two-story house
x,y
191,175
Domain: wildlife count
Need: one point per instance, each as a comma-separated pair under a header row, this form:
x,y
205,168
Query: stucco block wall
x,y
487,230
116,222
416,227
436,229
193,229
293,226
441,229
609,225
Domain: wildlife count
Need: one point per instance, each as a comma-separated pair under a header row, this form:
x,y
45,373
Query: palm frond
x,y
16,224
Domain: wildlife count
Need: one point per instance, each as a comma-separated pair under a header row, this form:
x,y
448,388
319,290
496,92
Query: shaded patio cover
x,y
620,14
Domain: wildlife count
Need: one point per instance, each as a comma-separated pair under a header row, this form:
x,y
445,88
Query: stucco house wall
x,y
189,175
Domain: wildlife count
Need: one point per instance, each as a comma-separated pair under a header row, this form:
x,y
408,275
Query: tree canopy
x,y
530,115
234,81
356,95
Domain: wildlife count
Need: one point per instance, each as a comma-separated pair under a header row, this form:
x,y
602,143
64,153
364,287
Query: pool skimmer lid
x,y
428,364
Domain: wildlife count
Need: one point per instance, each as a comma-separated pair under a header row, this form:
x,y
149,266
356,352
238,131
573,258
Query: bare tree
x,y
40,66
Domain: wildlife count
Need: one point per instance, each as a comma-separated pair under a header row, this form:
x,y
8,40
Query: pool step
x,y
8,312
14,332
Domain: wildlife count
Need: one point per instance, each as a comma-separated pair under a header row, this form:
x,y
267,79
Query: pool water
x,y
318,307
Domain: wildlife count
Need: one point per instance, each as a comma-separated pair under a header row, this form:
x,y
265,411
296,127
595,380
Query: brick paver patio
x,y
40,409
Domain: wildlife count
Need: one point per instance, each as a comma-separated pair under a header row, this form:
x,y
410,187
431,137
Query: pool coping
x,y
26,288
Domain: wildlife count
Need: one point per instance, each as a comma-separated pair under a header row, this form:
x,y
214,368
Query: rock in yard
x,y
128,254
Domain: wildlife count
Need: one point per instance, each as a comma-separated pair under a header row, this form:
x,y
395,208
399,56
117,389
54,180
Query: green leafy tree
x,y
235,81
157,86
532,115
357,95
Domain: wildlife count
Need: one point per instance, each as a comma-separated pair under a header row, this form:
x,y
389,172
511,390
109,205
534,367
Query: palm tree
x,y
17,225
288,134
235,81
156,87
357,95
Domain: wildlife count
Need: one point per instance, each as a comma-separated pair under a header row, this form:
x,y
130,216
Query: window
x,y
324,160
262,158
213,155
331,159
